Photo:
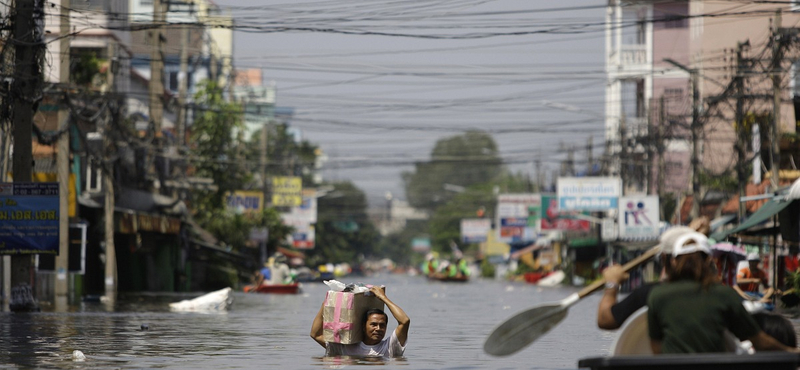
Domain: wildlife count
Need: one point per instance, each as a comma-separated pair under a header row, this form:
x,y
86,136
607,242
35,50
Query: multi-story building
x,y
655,50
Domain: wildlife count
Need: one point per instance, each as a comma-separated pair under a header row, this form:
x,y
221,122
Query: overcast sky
x,y
375,83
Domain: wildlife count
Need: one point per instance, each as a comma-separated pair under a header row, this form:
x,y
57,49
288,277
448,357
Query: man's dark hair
x,y
777,327
374,311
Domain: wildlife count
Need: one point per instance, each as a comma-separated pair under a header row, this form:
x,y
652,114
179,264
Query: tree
x,y
287,157
344,233
462,160
213,146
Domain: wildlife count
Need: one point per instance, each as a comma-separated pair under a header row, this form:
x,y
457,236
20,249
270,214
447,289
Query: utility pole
x,y
660,147
61,285
696,128
777,58
695,146
26,86
156,89
741,134
108,187
182,87
623,153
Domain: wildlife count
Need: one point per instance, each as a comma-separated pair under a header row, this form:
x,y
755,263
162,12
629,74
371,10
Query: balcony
x,y
632,56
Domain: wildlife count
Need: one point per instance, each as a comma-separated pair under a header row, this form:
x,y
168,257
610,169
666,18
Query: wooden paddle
x,y
527,326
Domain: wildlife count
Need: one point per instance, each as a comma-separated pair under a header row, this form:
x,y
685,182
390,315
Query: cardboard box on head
x,y
343,315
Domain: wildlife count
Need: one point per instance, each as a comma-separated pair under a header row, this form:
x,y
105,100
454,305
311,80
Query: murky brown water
x,y
449,323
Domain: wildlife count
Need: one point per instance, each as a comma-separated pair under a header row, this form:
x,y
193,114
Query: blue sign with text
x,y
29,216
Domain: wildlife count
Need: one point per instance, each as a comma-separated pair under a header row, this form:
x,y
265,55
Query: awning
x,y
769,209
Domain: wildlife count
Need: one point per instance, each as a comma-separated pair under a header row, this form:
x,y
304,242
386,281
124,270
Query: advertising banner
x,y
287,191
245,200
638,217
303,236
421,244
588,193
475,230
553,219
29,213
518,217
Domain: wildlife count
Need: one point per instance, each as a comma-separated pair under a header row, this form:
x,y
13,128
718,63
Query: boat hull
x,y
274,289
705,361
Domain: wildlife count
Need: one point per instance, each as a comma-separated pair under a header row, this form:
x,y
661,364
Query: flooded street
x,y
449,325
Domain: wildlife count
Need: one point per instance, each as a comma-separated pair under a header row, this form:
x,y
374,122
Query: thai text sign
x,y
553,219
29,216
246,201
287,191
588,193
475,230
518,217
638,216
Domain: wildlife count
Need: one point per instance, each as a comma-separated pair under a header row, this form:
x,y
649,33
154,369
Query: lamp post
x,y
695,130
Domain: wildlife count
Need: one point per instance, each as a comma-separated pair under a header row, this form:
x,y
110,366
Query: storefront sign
x,y
29,218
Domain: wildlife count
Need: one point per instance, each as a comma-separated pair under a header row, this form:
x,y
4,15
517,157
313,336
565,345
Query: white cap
x,y
753,257
690,243
668,238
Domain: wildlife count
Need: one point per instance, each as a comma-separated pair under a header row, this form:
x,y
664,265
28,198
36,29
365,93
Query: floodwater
x,y
449,322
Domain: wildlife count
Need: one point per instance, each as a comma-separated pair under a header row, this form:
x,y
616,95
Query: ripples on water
x,y
449,323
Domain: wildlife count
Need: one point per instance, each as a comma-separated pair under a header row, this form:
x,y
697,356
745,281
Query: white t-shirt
x,y
386,348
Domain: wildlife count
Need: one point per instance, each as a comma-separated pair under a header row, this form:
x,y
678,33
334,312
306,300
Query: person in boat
x,y
262,275
280,270
462,267
612,314
374,324
690,312
750,279
430,266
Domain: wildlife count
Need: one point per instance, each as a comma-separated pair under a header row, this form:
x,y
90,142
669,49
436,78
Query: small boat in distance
x,y
293,288
449,279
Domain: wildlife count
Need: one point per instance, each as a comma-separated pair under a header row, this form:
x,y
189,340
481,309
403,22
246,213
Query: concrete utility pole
x,y
61,285
108,187
696,129
25,89
741,145
777,58
157,73
661,162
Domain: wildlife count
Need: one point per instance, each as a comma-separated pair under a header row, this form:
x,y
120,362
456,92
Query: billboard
x,y
245,200
588,193
554,220
638,216
518,217
29,218
287,191
475,230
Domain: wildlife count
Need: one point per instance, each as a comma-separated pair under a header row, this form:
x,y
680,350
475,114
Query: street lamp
x,y
695,129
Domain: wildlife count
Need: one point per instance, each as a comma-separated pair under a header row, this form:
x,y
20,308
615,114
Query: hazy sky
x,y
376,99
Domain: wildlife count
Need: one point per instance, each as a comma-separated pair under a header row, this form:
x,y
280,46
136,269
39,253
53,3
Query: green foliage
x,y
487,269
233,228
84,67
445,223
286,156
344,233
463,160
726,182
214,148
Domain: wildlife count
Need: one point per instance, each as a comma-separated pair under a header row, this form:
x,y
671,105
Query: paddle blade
x,y
523,329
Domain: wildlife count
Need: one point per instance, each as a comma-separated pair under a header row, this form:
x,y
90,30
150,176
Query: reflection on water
x,y
338,362
449,323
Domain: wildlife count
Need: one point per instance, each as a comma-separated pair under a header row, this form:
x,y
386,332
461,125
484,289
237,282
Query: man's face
x,y
375,329
753,265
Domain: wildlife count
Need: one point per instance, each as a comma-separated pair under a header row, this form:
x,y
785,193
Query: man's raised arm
x,y
403,322
316,328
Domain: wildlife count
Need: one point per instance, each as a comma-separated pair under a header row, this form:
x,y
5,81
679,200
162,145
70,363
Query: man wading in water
x,y
373,344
